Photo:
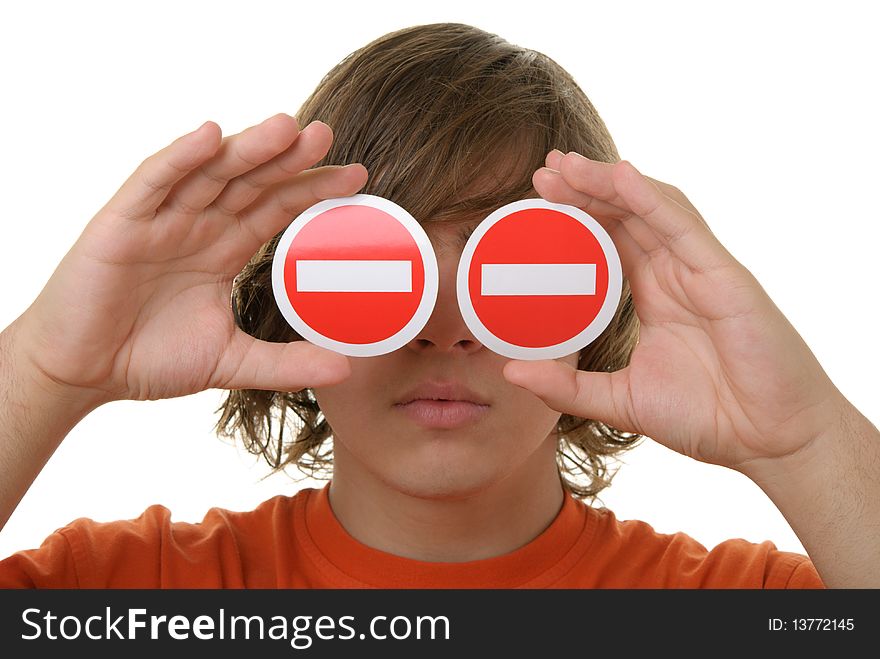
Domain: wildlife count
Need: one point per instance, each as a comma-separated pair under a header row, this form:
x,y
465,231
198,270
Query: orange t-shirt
x,y
297,542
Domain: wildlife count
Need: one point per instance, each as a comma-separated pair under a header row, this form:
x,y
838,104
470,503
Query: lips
x,y
442,405
442,391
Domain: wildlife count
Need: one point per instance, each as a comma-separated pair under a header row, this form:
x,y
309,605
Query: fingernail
x,y
554,156
316,122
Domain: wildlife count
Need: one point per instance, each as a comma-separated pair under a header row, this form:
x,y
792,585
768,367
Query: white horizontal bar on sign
x,y
538,279
351,276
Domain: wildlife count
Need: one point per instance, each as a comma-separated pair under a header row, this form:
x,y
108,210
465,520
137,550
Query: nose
x,y
445,331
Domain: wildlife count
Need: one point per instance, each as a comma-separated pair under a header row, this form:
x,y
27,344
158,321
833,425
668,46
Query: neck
x,y
494,520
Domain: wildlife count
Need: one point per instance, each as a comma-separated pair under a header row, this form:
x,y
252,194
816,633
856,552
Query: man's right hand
x,y
139,308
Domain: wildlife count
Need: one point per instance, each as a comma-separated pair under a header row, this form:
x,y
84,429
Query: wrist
x,y
27,385
36,414
821,451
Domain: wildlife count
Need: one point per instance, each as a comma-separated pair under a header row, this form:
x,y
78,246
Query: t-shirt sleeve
x,y
50,566
90,554
677,560
804,575
147,552
738,563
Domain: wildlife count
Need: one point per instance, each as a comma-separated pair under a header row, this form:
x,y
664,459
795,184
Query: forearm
x,y
830,495
35,416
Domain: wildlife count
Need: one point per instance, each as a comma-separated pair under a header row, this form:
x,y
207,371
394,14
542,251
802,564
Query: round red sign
x,y
538,280
356,275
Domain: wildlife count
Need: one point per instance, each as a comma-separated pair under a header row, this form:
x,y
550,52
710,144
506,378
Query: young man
x,y
473,490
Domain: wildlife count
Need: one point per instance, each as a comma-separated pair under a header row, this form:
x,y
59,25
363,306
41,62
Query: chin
x,y
438,484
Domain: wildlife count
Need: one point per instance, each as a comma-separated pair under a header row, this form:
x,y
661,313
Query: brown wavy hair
x,y
433,112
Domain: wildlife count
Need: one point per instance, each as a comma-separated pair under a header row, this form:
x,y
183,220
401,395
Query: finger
x,y
551,185
586,394
553,159
276,208
598,179
249,363
593,177
590,183
309,147
237,154
681,231
145,190
633,253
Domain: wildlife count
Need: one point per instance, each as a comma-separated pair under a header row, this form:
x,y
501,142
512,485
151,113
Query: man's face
x,y
467,429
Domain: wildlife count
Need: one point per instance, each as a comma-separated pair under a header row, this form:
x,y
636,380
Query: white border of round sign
x,y
572,345
429,292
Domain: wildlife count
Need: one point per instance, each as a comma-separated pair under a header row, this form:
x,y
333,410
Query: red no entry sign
x,y
538,280
356,275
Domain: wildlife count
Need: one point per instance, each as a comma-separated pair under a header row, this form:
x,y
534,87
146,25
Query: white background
x,y
764,114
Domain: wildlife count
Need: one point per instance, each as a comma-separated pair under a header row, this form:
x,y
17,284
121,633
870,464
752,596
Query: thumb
x,y
250,363
563,388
